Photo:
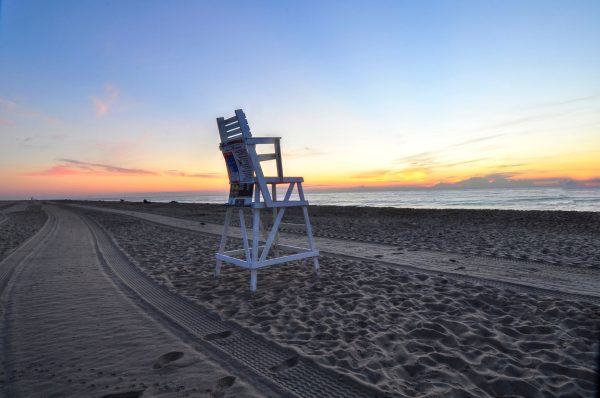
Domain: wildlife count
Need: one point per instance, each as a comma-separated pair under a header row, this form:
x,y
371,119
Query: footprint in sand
x,y
127,394
167,358
217,336
288,363
222,385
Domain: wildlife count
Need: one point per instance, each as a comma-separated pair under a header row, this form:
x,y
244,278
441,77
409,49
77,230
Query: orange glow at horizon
x,y
64,181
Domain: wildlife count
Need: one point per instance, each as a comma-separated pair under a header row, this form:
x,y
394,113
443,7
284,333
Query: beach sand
x,y
395,330
551,237
19,226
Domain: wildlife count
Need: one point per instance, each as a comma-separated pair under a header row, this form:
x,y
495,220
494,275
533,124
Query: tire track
x,y
9,270
274,365
29,248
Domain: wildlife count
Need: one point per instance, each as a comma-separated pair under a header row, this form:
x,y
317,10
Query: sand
x,y
547,237
67,330
72,327
405,333
16,227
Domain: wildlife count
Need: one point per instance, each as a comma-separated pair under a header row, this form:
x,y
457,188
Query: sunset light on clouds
x,y
115,97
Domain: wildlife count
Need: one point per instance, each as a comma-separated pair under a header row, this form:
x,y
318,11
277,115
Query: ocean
x,y
517,199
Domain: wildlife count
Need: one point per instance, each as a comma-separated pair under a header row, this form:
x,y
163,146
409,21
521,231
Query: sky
x,y
109,97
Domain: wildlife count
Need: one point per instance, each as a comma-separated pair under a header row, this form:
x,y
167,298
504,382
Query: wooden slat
x,y
290,189
232,126
272,235
234,136
230,120
261,140
278,159
285,259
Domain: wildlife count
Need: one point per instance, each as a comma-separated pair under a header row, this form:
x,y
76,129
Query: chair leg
x,y
252,280
276,240
223,240
311,241
316,268
255,244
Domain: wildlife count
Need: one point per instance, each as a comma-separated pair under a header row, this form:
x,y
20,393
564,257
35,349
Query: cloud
x,y
508,180
124,147
568,101
106,168
508,166
38,141
72,167
302,153
430,160
476,140
400,175
58,170
78,167
16,110
7,104
419,159
102,105
179,173
372,174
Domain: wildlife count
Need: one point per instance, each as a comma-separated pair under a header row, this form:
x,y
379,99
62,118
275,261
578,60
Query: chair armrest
x,y
262,140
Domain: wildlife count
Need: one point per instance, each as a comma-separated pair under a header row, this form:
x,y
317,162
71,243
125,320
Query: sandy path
x,y
547,278
68,331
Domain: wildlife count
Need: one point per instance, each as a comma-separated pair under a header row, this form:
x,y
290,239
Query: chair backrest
x,y
243,162
240,167
234,128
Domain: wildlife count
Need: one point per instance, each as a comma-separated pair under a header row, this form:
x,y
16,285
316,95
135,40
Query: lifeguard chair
x,y
249,188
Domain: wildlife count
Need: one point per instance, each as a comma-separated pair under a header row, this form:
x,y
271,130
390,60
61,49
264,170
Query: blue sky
x,y
353,87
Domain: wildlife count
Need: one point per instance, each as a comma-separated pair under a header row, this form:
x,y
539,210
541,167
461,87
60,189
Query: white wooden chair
x,y
249,188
